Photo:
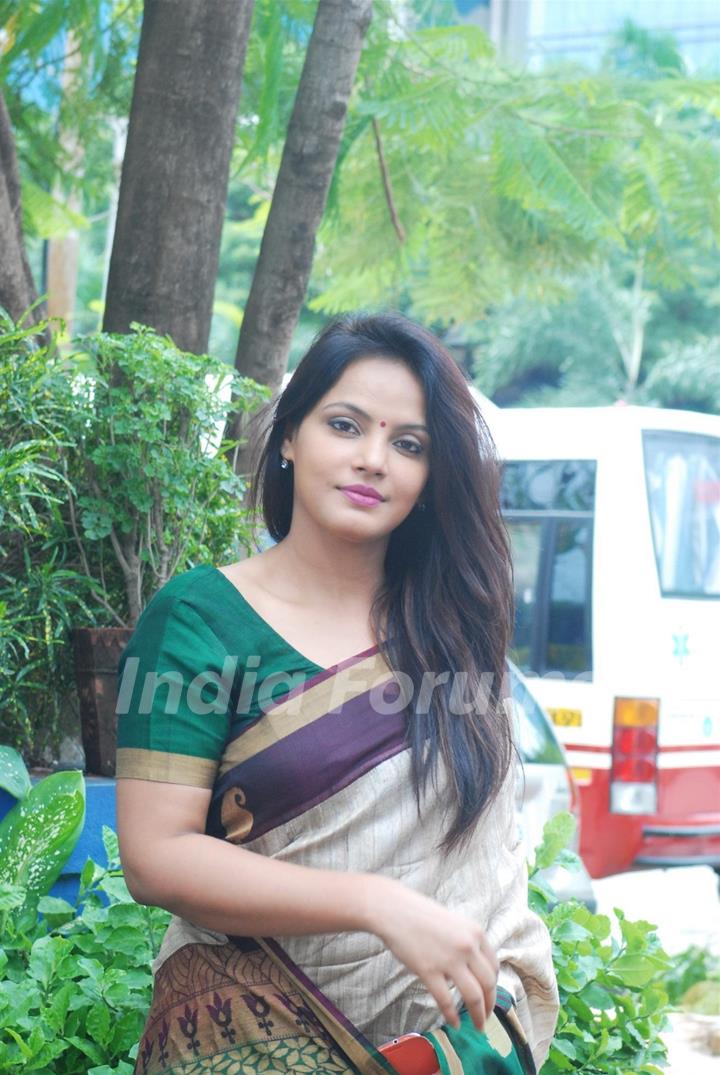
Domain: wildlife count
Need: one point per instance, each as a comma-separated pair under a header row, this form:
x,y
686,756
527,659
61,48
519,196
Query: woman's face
x,y
386,447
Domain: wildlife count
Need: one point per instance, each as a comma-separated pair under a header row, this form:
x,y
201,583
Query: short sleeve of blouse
x,y
173,697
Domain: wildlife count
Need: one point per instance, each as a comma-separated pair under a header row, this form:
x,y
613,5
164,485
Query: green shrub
x,y
613,1005
688,968
40,592
152,491
110,483
75,979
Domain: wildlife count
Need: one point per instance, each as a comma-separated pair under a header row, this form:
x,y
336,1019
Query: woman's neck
x,y
326,568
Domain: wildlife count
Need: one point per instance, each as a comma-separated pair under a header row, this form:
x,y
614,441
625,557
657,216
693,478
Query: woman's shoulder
x,y
203,603
173,608
190,603
179,591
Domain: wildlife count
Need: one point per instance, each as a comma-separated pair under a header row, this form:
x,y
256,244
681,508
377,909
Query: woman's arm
x,y
170,862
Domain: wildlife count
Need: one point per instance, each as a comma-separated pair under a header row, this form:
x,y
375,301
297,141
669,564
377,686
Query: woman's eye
x,y
410,445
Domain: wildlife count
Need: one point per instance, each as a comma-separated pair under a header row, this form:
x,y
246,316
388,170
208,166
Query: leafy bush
x,y
151,489
40,593
687,969
112,478
613,1005
76,978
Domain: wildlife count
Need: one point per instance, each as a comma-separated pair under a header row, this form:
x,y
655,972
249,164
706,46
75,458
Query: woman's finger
x,y
484,974
474,995
438,988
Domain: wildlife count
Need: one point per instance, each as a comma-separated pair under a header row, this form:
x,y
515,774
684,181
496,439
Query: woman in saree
x,y
316,768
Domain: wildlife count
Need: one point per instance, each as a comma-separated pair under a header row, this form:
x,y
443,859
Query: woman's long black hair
x,y
447,594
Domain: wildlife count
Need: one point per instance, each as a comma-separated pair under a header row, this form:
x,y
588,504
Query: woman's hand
x,y
436,944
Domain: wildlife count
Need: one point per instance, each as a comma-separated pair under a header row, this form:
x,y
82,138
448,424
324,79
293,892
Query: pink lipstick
x,y
360,498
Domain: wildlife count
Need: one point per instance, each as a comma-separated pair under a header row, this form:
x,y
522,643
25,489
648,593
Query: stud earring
x,y
284,464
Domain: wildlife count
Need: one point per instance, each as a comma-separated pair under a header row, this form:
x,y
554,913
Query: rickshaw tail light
x,y
633,778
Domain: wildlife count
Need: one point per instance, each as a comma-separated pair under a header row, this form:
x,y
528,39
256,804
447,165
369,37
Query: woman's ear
x,y
287,448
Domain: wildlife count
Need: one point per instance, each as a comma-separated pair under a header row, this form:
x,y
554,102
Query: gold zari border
x,y
311,703
164,766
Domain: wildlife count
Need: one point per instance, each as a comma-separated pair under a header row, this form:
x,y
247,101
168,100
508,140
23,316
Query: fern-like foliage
x,y
500,180
686,377
574,345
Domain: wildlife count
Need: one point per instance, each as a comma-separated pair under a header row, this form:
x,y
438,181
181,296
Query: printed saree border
x,y
443,1047
513,1027
359,1050
246,1005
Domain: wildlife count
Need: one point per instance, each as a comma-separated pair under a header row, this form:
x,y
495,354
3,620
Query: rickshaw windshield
x,y
682,472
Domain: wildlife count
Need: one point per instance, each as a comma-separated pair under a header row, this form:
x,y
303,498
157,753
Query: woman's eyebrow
x,y
364,414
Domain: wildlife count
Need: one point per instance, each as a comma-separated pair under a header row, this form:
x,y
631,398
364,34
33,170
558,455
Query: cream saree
x,y
322,779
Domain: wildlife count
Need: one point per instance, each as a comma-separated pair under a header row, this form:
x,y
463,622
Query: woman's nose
x,y
372,452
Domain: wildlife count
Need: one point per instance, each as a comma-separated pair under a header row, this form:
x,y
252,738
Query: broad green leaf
x,y
110,843
56,912
88,874
14,777
637,970
88,1048
11,896
558,1058
117,888
98,1023
24,1049
47,953
557,834
571,931
105,1069
39,833
55,1013
566,1048
636,933
596,997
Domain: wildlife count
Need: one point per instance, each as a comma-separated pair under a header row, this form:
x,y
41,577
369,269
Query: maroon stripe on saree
x,y
307,766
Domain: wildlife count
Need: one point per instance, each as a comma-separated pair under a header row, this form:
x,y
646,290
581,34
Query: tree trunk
x,y
311,147
17,288
175,173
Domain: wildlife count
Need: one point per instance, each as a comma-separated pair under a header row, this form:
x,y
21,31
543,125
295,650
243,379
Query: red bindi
x,y
383,423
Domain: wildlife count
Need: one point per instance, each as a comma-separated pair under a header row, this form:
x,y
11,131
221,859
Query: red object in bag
x,y
412,1054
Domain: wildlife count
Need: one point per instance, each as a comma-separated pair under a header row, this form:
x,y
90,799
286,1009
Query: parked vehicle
x,y
546,787
614,514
